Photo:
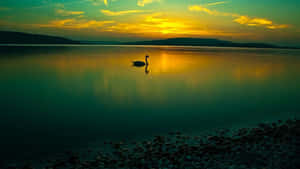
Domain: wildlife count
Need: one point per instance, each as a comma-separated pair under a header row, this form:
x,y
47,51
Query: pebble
x,y
248,148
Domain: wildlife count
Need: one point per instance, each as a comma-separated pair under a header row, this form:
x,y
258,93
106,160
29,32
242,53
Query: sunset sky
x,y
273,21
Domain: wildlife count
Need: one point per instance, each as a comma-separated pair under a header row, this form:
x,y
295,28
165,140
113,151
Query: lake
x,y
58,98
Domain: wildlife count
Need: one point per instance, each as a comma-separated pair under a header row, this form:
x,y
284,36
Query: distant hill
x,y
101,42
7,37
202,42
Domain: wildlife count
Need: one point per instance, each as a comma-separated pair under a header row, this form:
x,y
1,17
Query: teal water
x,y
57,98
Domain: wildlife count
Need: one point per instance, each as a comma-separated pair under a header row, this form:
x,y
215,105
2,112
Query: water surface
x,y
55,98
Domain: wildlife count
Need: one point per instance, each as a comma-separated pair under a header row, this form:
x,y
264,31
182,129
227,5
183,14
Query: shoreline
x,y
142,46
269,145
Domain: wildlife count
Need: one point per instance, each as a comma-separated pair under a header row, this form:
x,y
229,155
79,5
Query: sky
x,y
271,21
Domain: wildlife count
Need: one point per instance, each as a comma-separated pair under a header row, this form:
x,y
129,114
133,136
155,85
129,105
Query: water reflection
x,y
66,92
147,70
105,72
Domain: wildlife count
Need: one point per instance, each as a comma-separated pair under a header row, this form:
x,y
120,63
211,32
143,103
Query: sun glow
x,y
150,19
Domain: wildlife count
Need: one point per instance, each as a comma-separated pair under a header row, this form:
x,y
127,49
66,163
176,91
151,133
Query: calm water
x,y
70,97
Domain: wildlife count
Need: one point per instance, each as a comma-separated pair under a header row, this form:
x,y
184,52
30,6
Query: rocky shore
x,y
267,146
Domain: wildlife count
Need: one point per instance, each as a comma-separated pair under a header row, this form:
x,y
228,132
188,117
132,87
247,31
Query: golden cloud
x,y
105,2
241,19
158,24
216,3
75,24
144,2
97,2
118,13
68,13
146,25
245,20
278,26
200,8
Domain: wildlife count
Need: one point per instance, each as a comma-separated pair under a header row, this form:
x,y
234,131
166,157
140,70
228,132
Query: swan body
x,y
141,63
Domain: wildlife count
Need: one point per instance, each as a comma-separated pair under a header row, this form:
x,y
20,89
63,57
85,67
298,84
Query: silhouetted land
x,y
101,42
192,42
204,42
7,37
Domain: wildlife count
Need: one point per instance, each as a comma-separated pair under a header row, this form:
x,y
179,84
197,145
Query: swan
x,y
141,63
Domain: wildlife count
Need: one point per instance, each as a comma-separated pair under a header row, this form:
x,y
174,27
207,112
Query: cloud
x,y
200,8
60,10
68,13
245,20
75,24
241,19
97,2
278,26
216,3
144,2
157,24
154,25
118,13
105,2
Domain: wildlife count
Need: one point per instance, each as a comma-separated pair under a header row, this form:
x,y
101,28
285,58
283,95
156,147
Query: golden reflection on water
x,y
112,74
259,72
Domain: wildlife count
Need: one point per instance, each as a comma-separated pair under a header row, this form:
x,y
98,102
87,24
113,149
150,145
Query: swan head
x,y
147,56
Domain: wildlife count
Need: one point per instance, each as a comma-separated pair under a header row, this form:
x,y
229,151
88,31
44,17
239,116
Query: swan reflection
x,y
147,70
